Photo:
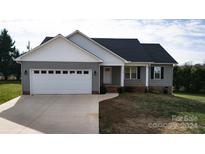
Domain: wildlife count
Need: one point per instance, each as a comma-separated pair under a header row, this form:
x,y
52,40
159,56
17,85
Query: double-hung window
x,y
157,72
131,72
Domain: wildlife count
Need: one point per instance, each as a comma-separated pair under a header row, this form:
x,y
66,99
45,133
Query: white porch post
x,y
122,76
147,76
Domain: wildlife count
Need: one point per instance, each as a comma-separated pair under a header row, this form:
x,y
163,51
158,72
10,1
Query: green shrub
x,y
189,78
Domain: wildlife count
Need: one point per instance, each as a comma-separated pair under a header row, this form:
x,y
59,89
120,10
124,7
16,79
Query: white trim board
x,y
77,31
21,58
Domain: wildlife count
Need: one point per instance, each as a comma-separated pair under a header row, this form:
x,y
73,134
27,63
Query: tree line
x,y
189,78
8,53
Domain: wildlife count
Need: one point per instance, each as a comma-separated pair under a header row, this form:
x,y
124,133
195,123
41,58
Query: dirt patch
x,y
145,114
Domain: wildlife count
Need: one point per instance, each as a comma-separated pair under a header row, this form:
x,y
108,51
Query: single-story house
x,y
78,64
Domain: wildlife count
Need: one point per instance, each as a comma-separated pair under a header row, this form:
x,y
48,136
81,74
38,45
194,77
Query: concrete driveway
x,y
52,114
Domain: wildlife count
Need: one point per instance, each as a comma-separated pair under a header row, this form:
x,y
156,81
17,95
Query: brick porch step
x,y
112,88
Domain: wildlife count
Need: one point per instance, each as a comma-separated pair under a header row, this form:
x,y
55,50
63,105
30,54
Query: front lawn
x,y
197,97
9,90
153,113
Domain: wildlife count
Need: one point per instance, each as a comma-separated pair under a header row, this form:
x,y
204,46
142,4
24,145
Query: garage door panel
x,y
61,83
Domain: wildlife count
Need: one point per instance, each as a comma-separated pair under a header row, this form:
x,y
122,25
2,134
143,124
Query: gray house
x,y
77,64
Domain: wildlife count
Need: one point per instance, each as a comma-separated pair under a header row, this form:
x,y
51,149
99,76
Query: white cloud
x,y
183,39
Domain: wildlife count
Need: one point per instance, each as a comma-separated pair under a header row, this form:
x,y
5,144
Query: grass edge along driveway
x,y
9,90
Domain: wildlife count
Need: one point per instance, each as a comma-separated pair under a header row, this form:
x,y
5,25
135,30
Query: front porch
x,y
137,78
114,77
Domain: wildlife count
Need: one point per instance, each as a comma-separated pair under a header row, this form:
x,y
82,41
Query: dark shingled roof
x,y
129,49
158,54
46,39
133,50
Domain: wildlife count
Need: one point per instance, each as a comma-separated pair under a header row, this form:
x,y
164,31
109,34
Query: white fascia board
x,y
68,41
145,63
77,31
112,64
87,52
137,63
36,48
164,63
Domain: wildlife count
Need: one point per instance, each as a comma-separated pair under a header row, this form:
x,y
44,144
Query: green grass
x,y
134,112
196,97
9,90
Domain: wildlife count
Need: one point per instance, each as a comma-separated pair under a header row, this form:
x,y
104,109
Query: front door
x,y
107,75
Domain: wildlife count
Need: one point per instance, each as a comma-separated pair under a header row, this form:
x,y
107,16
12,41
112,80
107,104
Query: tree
x,y
178,78
190,77
187,77
15,69
198,80
8,53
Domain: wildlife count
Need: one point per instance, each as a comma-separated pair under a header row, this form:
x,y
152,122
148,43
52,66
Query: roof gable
x,y
129,49
59,49
96,43
108,57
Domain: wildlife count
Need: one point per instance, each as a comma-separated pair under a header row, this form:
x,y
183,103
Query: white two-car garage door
x,y
56,81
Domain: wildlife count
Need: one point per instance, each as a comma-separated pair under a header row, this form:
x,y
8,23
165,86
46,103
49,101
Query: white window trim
x,y
130,73
159,73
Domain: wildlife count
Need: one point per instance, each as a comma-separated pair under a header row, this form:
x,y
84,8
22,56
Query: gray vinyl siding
x,y
167,81
168,76
58,65
116,74
137,82
95,49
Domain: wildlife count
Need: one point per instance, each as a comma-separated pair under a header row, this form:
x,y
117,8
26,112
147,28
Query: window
x,y
86,72
65,72
58,72
43,72
127,72
50,72
72,72
131,72
79,72
36,72
157,72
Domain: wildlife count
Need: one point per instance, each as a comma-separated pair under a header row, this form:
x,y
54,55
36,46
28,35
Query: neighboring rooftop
x,y
133,50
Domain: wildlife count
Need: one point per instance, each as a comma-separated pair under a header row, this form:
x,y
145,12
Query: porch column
x,y
122,76
147,76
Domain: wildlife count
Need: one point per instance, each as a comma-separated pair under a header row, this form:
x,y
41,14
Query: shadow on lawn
x,y
149,113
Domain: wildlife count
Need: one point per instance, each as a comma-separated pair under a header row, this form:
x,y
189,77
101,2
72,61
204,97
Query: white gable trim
x,y
51,40
77,31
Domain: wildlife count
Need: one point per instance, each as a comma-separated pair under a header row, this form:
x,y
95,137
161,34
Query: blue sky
x,y
183,39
